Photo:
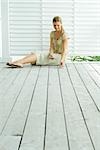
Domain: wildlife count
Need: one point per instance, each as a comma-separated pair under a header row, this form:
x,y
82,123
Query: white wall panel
x,y
87,27
0,33
30,23
24,26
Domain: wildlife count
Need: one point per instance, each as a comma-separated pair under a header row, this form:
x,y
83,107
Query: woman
x,y
57,51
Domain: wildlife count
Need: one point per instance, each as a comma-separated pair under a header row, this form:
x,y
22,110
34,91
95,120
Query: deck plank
x,y
49,108
8,100
56,137
93,74
3,73
92,88
16,120
96,67
34,133
9,142
90,111
77,131
8,81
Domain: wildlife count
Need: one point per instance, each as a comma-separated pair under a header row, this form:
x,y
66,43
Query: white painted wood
x,y
25,22
0,33
33,137
93,74
96,67
3,74
32,20
77,132
87,27
29,24
9,98
7,82
56,137
1,69
2,65
92,88
16,120
5,26
91,113
9,142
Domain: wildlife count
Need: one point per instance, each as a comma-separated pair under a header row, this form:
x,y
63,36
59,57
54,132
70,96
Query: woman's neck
x,y
57,34
58,31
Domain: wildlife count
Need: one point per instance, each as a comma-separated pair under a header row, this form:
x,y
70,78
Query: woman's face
x,y
57,26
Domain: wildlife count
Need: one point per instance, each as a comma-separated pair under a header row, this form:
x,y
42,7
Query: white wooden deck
x,y
48,108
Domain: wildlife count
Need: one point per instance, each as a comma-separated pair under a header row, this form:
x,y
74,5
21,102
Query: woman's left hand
x,y
62,63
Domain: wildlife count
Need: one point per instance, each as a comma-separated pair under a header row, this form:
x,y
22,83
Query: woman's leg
x,y
31,58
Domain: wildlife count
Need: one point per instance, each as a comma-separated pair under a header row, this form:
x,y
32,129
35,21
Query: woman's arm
x,y
65,50
51,47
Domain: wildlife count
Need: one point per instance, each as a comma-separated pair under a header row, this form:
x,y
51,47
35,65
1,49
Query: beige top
x,y
57,43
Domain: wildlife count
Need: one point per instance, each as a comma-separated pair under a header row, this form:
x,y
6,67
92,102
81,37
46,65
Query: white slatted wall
x,y
0,32
87,27
30,22
24,26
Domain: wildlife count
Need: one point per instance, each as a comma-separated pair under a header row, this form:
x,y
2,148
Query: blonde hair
x,y
58,19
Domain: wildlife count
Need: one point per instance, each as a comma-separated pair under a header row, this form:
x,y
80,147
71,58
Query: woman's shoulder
x,y
65,35
52,34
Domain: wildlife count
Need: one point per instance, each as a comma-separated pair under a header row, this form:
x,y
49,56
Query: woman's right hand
x,y
50,56
62,64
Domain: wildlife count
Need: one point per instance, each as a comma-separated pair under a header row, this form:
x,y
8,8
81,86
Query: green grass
x,y
85,58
